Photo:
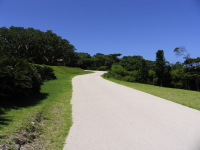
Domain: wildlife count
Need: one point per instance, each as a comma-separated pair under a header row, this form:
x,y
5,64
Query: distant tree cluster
x,y
97,62
160,72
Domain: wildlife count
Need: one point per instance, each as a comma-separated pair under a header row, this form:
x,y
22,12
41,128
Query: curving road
x,y
108,116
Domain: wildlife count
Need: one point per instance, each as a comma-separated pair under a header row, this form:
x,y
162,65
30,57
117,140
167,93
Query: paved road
x,y
108,116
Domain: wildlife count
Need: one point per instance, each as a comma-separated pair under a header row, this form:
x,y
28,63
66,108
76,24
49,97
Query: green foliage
x,y
36,46
118,69
45,72
178,78
129,79
177,65
85,61
44,129
160,66
119,73
150,64
17,77
136,63
131,63
102,68
160,72
151,77
114,75
134,74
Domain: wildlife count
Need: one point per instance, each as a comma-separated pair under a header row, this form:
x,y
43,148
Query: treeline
x,y
160,72
47,48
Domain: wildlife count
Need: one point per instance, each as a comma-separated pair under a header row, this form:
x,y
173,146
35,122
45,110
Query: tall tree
x,y
160,66
192,72
84,60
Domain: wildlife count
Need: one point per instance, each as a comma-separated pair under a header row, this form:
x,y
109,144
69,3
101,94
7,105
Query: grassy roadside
x,y
183,97
45,123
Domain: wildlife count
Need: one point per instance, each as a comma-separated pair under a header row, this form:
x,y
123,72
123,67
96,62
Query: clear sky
x,y
129,27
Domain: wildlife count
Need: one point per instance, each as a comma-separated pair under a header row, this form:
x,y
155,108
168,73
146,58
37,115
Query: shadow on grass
x,y
18,102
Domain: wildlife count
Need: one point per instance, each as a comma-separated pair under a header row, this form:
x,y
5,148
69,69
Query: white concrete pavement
x,y
108,116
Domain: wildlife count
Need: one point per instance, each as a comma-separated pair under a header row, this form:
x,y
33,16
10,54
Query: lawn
x,y
183,97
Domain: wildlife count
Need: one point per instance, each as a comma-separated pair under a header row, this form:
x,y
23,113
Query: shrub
x,y
46,73
151,77
111,74
129,79
18,77
134,73
118,69
103,68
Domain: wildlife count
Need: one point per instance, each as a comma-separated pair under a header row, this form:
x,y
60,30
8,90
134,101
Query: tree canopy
x,y
35,45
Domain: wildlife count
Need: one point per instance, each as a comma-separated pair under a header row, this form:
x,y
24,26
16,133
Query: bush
x,y
129,79
46,73
118,69
18,77
151,77
103,68
111,74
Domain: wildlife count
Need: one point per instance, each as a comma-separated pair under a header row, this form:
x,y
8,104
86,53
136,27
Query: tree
x,y
160,66
192,72
84,60
112,59
131,63
181,51
177,65
105,62
151,64
36,46
143,72
99,60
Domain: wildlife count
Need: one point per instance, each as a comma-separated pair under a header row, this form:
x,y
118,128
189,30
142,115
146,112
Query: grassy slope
x,y
184,97
56,120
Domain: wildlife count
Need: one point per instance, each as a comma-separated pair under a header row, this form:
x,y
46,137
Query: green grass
x,y
183,97
53,104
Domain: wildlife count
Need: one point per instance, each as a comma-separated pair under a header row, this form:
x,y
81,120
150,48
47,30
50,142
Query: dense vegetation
x,y
160,72
19,79
47,48
36,46
30,107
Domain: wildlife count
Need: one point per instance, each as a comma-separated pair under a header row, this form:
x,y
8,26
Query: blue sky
x,y
129,27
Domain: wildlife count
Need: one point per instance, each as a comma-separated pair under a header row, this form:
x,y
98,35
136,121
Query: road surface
x,y
109,116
